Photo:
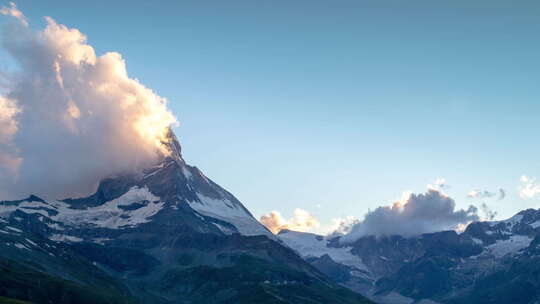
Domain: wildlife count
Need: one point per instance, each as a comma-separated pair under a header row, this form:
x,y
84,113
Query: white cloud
x,y
488,213
341,226
13,11
439,184
70,117
413,215
9,161
486,194
302,220
8,123
477,193
529,188
502,194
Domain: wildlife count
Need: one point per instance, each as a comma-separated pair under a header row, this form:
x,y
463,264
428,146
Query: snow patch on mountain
x,y
186,173
31,242
21,246
28,207
14,229
226,210
535,224
64,238
510,246
312,245
108,215
224,229
516,219
477,241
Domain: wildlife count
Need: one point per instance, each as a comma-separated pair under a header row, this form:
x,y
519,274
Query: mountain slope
x,y
167,234
490,262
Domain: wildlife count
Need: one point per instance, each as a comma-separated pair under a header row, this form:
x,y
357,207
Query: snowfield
x,y
135,207
510,246
227,211
312,245
108,215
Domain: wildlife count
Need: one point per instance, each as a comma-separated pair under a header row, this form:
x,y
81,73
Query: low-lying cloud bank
x,y
69,118
413,215
416,214
302,220
342,226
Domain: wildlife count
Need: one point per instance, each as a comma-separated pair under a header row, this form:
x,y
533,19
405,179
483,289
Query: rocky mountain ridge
x,y
490,262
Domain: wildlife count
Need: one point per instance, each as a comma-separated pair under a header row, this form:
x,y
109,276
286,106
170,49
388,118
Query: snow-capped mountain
x,y
490,262
126,202
167,234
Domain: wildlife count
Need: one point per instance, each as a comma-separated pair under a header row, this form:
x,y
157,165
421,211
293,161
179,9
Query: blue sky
x,y
335,107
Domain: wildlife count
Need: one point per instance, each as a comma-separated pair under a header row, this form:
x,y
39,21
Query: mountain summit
x,y
166,234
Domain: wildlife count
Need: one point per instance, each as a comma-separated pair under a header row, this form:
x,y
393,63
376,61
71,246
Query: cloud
x,y
439,184
70,117
489,214
413,215
484,194
13,11
9,161
502,194
477,193
302,220
342,226
8,124
529,187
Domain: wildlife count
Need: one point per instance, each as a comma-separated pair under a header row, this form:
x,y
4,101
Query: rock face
x,y
167,234
490,262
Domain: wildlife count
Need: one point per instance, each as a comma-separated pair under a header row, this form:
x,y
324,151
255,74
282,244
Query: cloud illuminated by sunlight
x,y
13,11
302,220
72,115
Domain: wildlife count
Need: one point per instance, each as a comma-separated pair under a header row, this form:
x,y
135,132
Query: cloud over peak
x,y
71,117
415,214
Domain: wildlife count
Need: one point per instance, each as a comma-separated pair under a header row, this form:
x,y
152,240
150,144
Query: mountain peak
x,y
34,198
172,146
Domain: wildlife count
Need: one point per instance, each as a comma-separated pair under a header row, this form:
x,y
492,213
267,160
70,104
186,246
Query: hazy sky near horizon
x,y
335,107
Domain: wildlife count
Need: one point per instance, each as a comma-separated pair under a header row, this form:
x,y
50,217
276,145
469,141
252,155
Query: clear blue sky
x,y
341,104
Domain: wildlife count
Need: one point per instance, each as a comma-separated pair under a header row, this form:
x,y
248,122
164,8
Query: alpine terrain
x,y
490,262
167,234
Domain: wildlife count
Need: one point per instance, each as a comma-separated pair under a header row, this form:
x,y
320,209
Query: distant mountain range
x,y
164,235
490,262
